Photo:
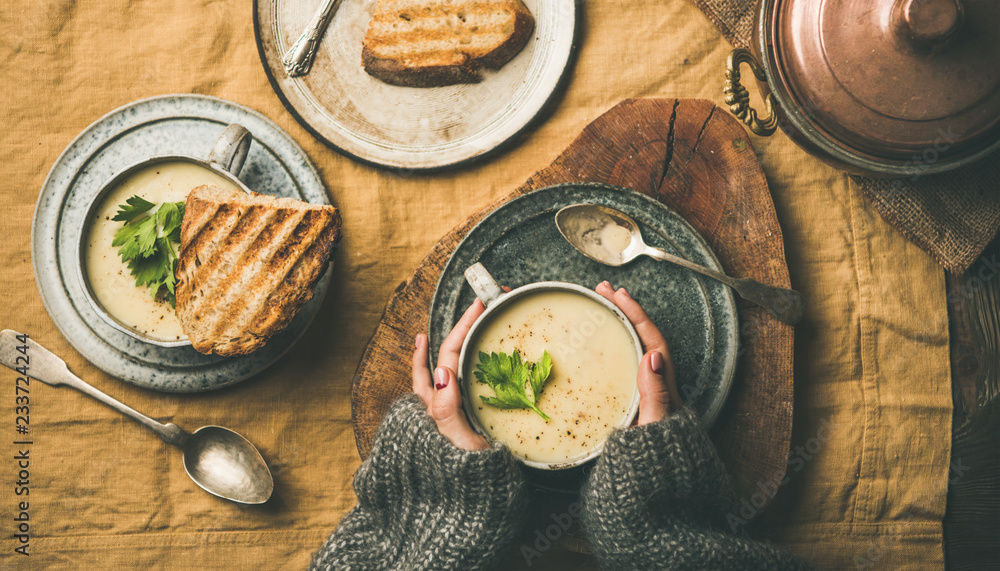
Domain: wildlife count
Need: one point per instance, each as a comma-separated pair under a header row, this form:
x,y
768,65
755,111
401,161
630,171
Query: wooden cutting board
x,y
695,158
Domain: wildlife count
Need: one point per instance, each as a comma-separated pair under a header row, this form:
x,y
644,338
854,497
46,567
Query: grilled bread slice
x,y
247,264
416,43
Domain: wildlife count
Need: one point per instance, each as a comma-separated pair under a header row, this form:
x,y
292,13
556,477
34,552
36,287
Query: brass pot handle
x,y
738,98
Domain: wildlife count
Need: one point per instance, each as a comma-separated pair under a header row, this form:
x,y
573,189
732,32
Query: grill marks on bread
x,y
247,264
430,44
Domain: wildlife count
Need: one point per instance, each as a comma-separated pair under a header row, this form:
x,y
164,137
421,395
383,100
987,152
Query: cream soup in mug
x,y
592,384
109,278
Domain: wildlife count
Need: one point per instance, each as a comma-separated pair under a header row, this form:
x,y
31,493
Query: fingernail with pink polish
x,y
440,378
656,362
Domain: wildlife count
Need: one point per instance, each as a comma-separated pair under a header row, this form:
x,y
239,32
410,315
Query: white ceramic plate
x,y
170,124
406,127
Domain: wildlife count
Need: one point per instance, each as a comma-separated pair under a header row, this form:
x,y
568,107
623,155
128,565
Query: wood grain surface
x,y
972,519
695,158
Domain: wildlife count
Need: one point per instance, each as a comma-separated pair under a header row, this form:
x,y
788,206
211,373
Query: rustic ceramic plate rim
x,y
728,368
215,372
419,158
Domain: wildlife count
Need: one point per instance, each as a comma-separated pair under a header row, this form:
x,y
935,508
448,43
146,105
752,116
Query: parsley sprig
x,y
508,376
146,243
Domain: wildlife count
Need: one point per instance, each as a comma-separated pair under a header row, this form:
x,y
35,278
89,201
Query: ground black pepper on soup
x,y
592,383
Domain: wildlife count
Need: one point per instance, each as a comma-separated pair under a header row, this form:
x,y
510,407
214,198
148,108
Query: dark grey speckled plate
x,y
520,244
169,124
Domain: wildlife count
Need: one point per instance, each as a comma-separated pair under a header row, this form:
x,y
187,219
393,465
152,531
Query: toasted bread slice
x,y
247,264
416,43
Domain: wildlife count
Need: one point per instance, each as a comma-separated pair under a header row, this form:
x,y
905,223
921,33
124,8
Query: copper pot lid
x,y
893,80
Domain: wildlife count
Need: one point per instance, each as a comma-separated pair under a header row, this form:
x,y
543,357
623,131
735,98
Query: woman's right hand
x,y
658,394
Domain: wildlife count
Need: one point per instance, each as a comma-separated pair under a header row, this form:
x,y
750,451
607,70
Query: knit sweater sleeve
x,y
658,498
425,504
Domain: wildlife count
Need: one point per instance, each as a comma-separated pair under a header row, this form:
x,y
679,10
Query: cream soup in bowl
x,y
108,282
591,388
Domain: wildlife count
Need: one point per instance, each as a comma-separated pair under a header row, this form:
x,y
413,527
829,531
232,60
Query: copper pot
x,y
876,87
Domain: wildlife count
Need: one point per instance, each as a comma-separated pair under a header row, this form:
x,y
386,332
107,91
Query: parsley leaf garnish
x,y
146,243
133,207
508,375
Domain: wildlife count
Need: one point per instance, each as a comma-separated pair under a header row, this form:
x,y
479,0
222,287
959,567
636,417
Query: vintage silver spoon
x,y
298,59
217,459
611,237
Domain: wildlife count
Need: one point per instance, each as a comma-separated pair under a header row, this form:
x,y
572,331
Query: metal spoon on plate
x,y
298,59
611,237
219,460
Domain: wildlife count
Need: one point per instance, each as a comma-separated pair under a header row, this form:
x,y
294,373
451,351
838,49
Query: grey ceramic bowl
x,y
494,298
226,159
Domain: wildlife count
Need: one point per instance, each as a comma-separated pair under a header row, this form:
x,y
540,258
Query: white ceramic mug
x,y
495,299
225,159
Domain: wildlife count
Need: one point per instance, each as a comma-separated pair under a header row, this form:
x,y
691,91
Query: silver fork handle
x,y
298,59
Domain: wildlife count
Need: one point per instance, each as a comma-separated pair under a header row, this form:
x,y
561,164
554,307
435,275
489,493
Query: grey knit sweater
x,y
656,499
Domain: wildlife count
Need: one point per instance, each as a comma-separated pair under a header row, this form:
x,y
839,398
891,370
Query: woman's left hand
x,y
440,392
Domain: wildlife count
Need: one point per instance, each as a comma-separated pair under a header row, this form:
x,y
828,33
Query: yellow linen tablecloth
x,y
870,458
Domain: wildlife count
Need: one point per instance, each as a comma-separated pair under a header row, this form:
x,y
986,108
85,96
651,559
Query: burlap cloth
x,y
952,215
871,443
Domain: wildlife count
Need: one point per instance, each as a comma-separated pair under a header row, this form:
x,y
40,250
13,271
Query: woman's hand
x,y
441,393
658,394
